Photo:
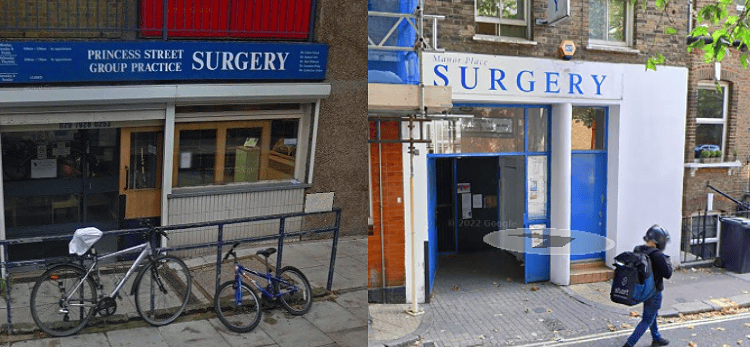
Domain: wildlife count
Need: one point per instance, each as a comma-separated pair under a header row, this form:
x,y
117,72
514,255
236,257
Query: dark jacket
x,y
660,263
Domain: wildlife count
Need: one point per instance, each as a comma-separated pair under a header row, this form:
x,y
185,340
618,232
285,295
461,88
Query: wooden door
x,y
141,163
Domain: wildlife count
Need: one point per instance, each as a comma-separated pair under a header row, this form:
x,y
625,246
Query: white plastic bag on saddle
x,y
83,239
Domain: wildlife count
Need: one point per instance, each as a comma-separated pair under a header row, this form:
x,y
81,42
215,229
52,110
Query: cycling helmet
x,y
659,235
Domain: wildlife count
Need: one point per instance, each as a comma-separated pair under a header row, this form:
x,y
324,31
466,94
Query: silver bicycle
x,y
67,295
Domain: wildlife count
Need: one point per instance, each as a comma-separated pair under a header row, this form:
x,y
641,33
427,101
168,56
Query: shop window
x,y
711,119
588,129
505,18
235,152
492,130
610,22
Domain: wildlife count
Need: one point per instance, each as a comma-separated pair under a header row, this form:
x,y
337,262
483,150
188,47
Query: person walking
x,y
656,241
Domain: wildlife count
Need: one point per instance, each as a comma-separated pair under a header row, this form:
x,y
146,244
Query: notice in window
x,y
537,187
43,168
186,160
466,205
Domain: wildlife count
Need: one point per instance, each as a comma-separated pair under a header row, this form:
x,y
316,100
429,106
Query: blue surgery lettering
x,y
531,81
498,80
441,74
551,81
463,77
575,81
598,83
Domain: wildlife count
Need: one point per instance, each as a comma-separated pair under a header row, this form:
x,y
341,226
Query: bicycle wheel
x,y
237,307
296,295
162,290
51,311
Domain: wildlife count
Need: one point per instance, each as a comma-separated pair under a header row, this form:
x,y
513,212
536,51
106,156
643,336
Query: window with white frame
x,y
711,118
506,18
611,22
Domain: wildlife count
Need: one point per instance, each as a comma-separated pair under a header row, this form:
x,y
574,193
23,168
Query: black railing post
x,y
281,245
313,12
164,20
220,239
333,250
6,278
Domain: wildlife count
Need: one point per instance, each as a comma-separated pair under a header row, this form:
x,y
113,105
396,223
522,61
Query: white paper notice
x,y
43,168
466,205
477,200
185,160
537,186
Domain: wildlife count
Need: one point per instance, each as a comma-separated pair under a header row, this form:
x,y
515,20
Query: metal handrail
x,y
220,241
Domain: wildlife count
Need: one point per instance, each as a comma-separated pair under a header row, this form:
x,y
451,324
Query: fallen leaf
x,y
509,279
534,288
455,289
691,344
724,345
626,326
747,325
611,327
634,314
720,329
690,327
527,310
744,292
549,311
739,342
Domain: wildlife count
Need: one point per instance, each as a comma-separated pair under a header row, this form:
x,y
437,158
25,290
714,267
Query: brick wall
x,y
393,216
456,32
738,123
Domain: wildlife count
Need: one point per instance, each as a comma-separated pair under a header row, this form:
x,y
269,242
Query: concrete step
x,y
590,272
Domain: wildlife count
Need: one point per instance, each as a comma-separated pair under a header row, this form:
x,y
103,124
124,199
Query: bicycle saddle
x,y
266,252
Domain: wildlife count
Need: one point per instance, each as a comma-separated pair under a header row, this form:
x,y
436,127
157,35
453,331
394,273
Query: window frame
x,y
714,121
221,121
629,25
498,21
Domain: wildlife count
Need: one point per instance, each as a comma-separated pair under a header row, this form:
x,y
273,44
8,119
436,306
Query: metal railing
x,y
313,218
131,19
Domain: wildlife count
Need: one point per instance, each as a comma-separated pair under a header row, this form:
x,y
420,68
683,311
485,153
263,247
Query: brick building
x,y
178,112
529,140
716,121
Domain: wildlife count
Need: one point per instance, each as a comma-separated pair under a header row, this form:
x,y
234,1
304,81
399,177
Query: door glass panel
x,y
588,128
196,158
243,155
538,126
490,130
537,187
103,155
142,172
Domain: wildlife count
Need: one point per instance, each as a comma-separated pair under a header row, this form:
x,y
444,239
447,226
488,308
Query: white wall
x,y
420,218
649,155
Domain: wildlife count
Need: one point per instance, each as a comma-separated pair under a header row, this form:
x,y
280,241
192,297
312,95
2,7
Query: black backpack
x,y
634,278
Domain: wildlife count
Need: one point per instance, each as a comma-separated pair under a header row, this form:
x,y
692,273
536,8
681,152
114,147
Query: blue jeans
x,y
650,310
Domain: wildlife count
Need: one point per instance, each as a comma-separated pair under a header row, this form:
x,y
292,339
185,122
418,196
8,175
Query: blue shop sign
x,y
49,62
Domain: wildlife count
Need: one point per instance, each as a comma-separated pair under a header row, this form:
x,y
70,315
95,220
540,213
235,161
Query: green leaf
x,y
670,31
699,31
743,60
650,64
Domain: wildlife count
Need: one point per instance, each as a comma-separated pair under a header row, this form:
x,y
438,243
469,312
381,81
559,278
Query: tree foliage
x,y
718,28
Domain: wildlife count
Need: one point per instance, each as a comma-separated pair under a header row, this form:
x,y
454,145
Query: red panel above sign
x,y
258,19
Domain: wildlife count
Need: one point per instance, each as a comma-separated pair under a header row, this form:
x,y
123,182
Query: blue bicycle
x,y
237,305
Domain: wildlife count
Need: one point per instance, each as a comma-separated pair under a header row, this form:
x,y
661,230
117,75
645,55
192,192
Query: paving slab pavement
x,y
335,319
481,307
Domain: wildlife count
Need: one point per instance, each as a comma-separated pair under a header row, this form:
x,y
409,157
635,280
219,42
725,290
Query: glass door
x,y
141,172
